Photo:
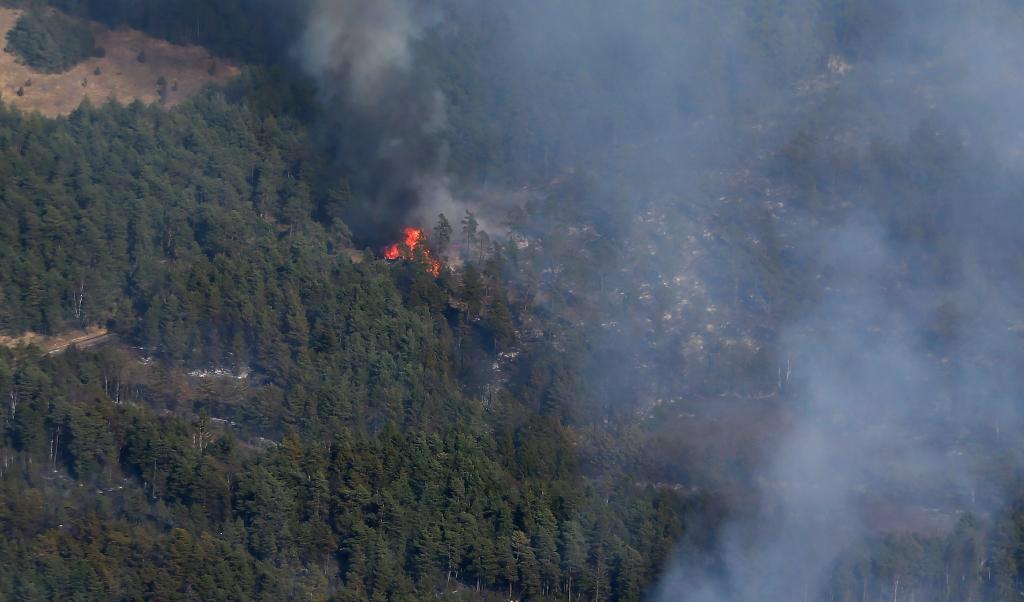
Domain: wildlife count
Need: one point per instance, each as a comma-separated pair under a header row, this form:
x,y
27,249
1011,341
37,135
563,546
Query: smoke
x,y
906,363
825,189
816,187
384,113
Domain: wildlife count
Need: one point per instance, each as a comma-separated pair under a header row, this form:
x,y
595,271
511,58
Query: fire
x,y
412,242
392,253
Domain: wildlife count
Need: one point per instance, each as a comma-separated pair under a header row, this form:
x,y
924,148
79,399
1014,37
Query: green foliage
x,y
50,41
394,435
192,509
352,457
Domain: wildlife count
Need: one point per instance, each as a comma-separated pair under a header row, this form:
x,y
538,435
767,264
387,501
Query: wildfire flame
x,y
412,241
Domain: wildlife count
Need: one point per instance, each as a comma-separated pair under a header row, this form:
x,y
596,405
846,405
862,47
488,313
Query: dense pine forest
x,y
351,461
348,463
283,413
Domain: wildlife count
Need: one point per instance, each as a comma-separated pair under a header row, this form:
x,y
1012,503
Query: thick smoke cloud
x,y
904,348
384,115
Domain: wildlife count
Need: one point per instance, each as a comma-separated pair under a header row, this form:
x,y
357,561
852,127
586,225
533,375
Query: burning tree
x,y
412,246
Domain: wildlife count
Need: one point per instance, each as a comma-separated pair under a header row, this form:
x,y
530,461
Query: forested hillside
x,y
338,457
667,255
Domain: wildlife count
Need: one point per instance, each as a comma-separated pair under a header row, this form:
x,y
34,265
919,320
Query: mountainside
x,y
278,419
547,301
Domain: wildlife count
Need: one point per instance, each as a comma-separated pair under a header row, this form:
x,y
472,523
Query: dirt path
x,y
90,337
82,342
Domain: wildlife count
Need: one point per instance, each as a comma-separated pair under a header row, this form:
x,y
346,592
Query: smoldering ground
x,y
896,203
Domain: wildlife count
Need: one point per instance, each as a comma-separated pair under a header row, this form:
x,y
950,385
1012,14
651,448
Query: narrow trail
x,y
83,342
59,343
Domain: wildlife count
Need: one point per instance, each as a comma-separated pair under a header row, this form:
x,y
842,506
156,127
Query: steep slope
x,y
343,458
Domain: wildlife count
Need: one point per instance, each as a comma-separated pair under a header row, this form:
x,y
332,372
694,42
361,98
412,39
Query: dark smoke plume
x,y
385,115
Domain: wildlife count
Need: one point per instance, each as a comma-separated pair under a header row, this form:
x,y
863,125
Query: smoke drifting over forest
x,y
909,354
887,153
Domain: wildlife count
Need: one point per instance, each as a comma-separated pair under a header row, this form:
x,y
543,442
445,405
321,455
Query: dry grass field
x,y
119,74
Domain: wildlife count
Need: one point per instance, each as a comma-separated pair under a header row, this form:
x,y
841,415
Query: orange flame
x,y
413,239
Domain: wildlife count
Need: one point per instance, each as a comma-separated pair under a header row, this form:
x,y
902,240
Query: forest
x,y
50,41
284,413
387,478
351,464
